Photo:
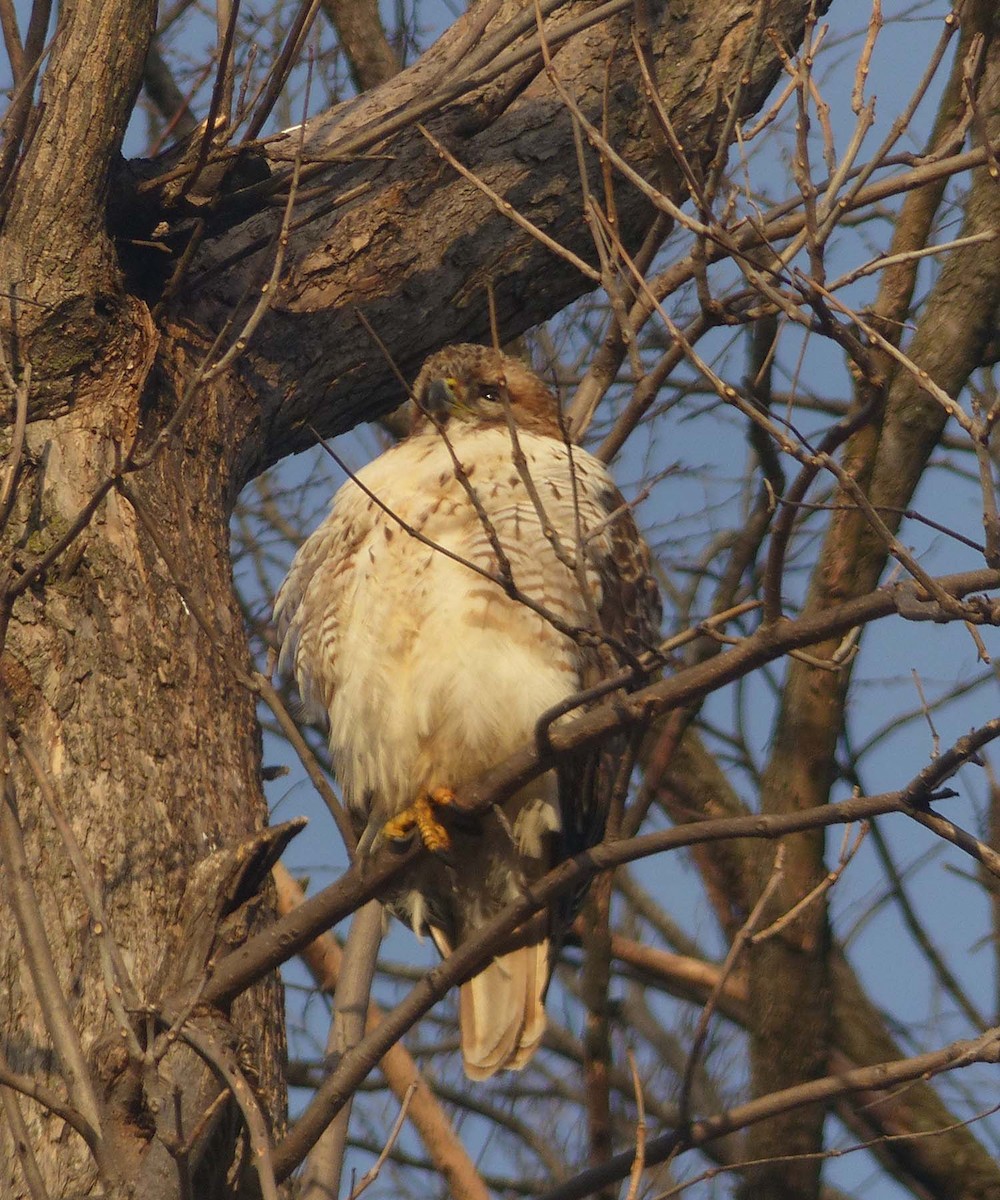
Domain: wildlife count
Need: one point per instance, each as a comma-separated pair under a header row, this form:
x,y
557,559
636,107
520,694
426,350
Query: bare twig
x,y
372,1173
919,376
223,1062
925,709
282,65
317,777
508,210
450,1158
948,980
45,1098
37,951
22,1144
639,1162
847,852
30,575
20,389
743,937
885,261
881,1076
863,65
210,367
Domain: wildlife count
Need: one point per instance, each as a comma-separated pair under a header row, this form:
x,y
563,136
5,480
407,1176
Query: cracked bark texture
x,y
127,690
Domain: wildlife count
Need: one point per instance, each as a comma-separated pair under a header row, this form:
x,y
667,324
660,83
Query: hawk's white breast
x,y
427,671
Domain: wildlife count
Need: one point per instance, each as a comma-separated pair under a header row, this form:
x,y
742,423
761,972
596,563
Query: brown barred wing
x,y
629,612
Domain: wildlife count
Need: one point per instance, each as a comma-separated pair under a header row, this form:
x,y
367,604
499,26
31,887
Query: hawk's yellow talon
x,y
400,828
421,816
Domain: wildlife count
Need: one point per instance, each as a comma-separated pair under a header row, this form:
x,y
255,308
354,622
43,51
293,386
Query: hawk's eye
x,y
491,392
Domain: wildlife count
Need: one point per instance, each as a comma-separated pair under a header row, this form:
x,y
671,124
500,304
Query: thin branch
x,y
272,947
317,777
12,40
847,852
880,1076
639,1160
920,935
508,210
739,943
19,110
282,65
222,1059
885,261
22,1144
21,390
41,965
373,1171
918,374
46,1098
448,1155
31,575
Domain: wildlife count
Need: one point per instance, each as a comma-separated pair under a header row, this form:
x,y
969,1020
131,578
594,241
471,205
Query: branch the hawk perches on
x,y
432,657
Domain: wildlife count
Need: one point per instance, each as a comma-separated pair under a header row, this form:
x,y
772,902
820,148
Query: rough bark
x,y
123,671
414,247
370,58
150,744
57,254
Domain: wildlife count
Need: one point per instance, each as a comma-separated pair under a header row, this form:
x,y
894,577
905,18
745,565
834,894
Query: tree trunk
x,y
147,739
127,701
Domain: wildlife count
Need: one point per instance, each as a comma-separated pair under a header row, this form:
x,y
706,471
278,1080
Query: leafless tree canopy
x,y
755,246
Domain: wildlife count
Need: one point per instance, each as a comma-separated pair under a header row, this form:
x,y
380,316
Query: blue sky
x,y
699,450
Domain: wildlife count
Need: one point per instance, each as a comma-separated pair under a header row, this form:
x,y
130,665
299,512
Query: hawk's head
x,y
479,385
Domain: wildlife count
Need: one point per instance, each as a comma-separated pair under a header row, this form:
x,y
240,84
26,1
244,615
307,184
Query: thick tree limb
x,y
86,99
790,980
413,245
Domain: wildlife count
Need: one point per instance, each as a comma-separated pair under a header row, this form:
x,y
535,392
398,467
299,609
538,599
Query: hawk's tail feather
x,y
502,1011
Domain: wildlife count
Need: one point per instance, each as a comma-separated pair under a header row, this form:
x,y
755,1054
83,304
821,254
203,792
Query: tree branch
x,y
818,1091
310,359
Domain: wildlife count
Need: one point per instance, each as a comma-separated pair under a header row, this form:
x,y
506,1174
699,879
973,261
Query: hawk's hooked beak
x,y
441,397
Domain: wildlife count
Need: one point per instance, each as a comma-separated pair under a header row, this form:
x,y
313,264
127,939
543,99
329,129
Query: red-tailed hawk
x,y
470,579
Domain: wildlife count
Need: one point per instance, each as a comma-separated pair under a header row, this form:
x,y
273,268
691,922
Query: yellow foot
x,y
421,817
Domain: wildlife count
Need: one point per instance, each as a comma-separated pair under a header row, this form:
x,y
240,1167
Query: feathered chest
x,y
530,524
436,613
